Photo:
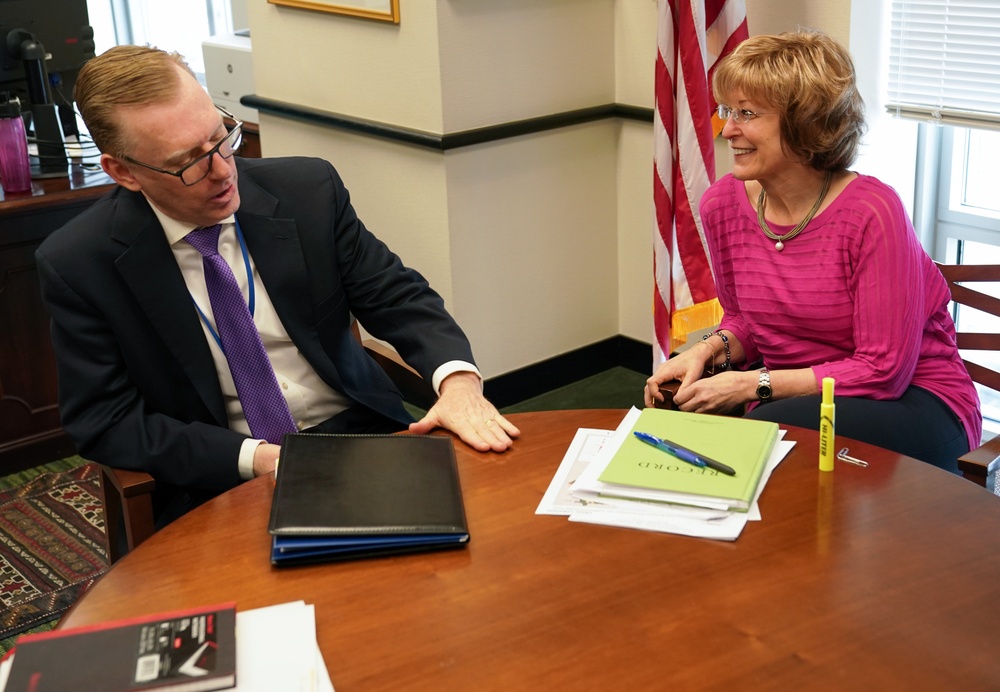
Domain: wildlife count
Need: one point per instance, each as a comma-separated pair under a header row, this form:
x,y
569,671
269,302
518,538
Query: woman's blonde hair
x,y
808,79
124,77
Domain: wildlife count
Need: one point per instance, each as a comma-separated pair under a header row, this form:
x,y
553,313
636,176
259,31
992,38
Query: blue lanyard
x,y
246,263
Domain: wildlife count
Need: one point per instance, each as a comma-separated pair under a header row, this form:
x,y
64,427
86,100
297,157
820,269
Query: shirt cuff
x,y
450,368
246,458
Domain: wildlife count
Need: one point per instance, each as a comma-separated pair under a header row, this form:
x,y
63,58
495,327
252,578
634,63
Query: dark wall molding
x,y
454,140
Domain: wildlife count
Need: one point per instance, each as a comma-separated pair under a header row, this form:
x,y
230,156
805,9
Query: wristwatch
x,y
764,386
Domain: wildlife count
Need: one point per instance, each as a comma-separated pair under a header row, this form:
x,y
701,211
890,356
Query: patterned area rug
x,y
52,546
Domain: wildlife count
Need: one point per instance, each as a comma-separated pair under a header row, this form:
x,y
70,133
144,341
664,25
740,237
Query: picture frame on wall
x,y
381,10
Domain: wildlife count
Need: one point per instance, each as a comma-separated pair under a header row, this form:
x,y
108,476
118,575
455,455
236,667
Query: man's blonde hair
x,y
124,77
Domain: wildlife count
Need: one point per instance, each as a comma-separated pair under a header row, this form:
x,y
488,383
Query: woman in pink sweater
x,y
818,269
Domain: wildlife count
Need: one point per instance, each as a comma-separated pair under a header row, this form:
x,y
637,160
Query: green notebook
x,y
641,471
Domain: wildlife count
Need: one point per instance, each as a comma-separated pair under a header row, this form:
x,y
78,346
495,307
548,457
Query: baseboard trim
x,y
618,351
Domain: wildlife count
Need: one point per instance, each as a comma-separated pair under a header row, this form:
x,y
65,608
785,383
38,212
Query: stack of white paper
x,y
276,649
575,491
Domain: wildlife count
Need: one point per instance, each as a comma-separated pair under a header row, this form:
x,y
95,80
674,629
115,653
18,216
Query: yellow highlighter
x,y
826,427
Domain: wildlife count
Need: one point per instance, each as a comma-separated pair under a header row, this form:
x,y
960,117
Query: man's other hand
x,y
462,409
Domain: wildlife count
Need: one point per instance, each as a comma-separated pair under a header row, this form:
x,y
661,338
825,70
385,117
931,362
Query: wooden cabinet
x,y
251,141
30,432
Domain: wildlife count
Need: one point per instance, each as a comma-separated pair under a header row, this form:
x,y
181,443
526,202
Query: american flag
x,y
693,36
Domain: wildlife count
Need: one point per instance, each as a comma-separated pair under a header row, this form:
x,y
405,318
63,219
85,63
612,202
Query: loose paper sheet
x,y
276,649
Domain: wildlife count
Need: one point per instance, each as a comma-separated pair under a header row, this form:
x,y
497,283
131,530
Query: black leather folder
x,y
339,497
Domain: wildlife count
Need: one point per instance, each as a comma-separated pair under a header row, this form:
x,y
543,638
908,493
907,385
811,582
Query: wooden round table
x,y
885,577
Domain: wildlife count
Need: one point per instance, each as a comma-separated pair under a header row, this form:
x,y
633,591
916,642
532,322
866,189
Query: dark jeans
x,y
918,424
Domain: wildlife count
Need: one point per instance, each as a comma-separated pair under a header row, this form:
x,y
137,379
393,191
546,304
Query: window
x,y
179,25
944,61
964,223
944,68
977,160
967,206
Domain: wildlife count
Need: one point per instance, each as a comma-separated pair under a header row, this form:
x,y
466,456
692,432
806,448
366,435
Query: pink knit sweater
x,y
854,297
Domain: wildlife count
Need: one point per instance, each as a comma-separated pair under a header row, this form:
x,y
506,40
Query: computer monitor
x,y
43,44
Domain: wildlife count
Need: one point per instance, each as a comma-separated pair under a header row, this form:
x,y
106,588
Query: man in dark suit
x,y
144,380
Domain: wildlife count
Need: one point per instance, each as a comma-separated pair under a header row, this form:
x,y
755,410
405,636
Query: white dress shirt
x,y
310,400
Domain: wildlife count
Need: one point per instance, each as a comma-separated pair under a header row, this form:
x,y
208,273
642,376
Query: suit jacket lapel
x,y
277,253
276,248
148,267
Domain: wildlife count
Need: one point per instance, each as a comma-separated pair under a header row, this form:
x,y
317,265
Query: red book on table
x,y
182,651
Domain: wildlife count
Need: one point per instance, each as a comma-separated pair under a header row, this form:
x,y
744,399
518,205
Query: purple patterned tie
x,y
265,408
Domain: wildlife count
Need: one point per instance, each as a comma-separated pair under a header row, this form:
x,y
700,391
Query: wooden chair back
x,y
966,282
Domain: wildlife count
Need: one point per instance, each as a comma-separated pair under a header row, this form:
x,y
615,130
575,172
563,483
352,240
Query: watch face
x,y
764,386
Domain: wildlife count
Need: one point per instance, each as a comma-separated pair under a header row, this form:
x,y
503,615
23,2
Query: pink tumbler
x,y
15,169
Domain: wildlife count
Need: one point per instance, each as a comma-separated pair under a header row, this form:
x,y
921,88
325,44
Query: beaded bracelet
x,y
725,342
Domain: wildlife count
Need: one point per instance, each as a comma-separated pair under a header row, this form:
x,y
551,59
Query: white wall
x,y
635,51
775,16
519,236
635,55
635,224
368,69
241,17
534,245
540,244
518,59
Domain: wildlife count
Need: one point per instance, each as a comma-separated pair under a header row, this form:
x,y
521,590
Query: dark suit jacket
x,y
137,385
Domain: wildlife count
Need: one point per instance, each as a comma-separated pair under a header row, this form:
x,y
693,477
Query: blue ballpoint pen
x,y
684,454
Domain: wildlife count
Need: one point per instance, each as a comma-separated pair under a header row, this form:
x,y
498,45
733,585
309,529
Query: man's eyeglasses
x,y
738,115
196,171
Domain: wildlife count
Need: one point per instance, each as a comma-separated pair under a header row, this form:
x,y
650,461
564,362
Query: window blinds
x,y
944,62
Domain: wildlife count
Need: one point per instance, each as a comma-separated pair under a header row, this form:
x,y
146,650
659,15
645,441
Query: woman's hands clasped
x,y
697,393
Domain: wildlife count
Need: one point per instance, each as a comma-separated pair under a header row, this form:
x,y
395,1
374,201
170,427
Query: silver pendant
x,y
779,246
